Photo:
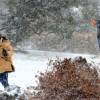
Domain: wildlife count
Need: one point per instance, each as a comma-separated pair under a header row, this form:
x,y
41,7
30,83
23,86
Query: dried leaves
x,y
69,80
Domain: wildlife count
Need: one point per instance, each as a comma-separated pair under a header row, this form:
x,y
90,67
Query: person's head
x,y
0,35
94,22
0,38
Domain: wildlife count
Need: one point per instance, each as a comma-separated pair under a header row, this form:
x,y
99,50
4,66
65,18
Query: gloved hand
x,y
4,52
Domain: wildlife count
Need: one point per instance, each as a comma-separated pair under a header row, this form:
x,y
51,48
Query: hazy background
x,y
49,25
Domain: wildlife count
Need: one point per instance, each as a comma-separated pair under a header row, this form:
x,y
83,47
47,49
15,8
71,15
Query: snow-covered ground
x,y
28,65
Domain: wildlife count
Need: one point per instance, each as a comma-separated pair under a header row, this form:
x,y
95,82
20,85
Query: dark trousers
x,y
4,79
99,43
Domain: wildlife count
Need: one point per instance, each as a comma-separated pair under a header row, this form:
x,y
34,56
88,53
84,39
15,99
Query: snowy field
x,y
28,65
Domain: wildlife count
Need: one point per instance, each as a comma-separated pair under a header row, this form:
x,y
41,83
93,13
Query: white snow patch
x,y
28,65
76,13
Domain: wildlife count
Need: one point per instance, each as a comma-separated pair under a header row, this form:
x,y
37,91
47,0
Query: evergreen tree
x,y
28,17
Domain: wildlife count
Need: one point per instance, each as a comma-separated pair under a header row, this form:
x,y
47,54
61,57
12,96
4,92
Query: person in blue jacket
x,y
97,22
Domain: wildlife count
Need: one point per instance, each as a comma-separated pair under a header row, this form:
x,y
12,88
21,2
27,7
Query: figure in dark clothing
x,y
98,32
97,22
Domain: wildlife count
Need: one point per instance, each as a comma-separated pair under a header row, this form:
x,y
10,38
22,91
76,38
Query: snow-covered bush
x,y
12,92
67,80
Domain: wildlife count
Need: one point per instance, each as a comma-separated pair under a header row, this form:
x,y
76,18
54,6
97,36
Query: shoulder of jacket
x,y
98,21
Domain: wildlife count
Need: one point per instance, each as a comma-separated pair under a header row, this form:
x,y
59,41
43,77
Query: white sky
x,y
27,66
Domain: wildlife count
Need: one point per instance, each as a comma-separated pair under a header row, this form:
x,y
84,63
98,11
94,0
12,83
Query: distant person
x,y
97,22
6,64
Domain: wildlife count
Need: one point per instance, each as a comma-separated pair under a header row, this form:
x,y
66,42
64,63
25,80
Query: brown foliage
x,y
68,80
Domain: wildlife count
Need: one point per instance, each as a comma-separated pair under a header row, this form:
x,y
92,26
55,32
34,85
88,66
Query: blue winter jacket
x,y
98,29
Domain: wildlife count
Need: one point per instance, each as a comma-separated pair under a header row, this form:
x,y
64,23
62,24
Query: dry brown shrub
x,y
68,80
